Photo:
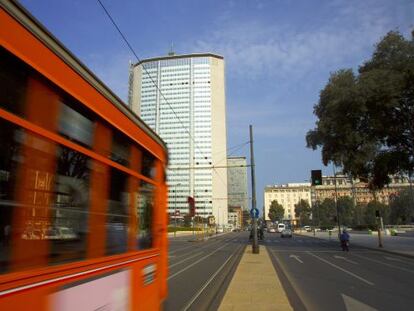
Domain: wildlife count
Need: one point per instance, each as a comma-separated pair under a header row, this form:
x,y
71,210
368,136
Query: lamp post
x,y
336,202
175,208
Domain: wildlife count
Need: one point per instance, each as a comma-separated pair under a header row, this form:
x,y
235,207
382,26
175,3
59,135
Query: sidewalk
x,y
392,244
255,285
197,235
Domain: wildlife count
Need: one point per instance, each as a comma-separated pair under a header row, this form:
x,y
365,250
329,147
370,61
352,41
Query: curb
x,y
208,237
367,247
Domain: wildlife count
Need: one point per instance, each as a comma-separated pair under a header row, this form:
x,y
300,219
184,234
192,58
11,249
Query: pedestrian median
x,y
255,285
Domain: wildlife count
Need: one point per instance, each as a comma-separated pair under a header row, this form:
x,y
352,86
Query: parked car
x,y
281,227
271,230
286,233
307,228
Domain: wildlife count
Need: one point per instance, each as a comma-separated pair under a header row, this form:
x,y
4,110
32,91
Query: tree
x,y
340,131
346,210
386,83
327,213
370,210
365,121
276,211
358,217
401,208
303,212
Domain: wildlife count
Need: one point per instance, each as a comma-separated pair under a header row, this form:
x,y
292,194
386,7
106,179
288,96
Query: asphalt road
x,y
317,275
199,272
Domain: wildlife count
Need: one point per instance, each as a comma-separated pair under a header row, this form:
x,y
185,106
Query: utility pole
x,y
175,211
255,246
336,202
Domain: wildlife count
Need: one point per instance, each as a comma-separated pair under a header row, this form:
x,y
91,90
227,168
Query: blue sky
x,y
278,54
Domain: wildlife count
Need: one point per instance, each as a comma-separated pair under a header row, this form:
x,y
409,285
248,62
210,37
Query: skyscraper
x,y
237,182
182,98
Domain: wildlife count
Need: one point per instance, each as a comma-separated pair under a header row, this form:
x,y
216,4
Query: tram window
x,y
117,215
144,213
148,165
25,92
13,82
8,170
75,125
121,146
69,215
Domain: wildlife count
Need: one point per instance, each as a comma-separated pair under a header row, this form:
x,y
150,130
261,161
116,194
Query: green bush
x,y
364,227
172,229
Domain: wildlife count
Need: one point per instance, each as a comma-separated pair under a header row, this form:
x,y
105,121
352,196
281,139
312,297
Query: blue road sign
x,y
254,213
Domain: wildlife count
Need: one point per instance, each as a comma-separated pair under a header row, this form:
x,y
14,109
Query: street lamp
x,y
175,208
336,201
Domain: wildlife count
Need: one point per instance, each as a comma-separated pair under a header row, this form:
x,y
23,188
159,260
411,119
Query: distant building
x,y
236,216
237,182
246,219
357,189
287,195
182,98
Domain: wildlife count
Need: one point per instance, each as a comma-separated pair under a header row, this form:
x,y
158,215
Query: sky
x,y
279,55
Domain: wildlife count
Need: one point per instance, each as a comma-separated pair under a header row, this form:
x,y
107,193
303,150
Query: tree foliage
x,y
303,212
324,213
369,214
276,211
402,208
346,209
366,121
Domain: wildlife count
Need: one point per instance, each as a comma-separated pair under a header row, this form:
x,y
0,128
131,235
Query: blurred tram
x,y
82,183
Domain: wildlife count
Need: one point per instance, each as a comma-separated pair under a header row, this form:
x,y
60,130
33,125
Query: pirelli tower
x,y
182,98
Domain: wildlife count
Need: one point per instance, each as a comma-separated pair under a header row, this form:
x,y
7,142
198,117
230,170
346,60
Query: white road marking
x,y
185,259
342,269
385,264
352,304
323,251
296,257
208,282
196,262
345,259
393,259
180,249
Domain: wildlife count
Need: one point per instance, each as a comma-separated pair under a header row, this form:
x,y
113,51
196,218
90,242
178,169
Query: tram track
x,y
210,267
214,301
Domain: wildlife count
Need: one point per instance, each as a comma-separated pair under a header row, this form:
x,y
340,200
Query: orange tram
x,y
82,183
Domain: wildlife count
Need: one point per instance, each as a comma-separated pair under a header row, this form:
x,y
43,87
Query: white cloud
x,y
257,48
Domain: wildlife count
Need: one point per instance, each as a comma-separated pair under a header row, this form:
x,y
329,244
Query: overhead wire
x,y
156,86
149,75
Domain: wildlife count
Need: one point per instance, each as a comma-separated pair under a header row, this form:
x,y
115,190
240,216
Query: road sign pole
x,y
255,246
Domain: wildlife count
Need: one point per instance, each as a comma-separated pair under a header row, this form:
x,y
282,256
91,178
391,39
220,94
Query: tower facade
x,y
182,98
237,182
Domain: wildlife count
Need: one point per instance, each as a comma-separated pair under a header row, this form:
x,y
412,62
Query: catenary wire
x,y
150,77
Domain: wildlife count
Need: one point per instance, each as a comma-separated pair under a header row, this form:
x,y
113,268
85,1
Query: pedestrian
x,y
344,240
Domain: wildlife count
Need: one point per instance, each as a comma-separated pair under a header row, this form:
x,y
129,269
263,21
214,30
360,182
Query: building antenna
x,y
171,52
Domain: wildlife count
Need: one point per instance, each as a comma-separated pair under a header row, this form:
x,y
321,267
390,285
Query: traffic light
x,y
316,176
191,205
